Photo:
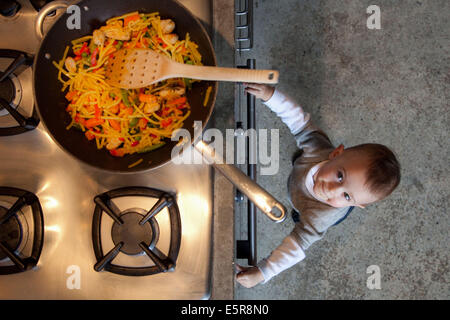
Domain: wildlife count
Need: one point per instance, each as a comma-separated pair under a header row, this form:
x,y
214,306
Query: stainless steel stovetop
x,y
66,190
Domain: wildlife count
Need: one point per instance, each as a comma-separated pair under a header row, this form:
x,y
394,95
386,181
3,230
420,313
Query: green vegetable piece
x,y
125,97
133,122
188,83
77,126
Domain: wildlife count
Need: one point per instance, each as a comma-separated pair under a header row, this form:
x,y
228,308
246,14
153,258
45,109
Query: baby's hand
x,y
249,276
261,91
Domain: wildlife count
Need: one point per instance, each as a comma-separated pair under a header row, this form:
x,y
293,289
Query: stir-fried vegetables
x,y
126,121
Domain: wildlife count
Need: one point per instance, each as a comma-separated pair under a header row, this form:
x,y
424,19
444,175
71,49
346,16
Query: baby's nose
x,y
334,189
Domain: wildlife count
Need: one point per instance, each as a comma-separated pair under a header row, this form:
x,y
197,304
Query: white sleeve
x,y
283,257
290,112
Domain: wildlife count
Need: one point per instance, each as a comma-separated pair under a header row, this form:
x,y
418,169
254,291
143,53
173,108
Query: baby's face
x,y
340,182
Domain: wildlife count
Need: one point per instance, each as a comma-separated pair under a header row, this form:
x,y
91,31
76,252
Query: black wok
x,y
51,102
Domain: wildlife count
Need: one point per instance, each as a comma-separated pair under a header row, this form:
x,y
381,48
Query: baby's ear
x,y
336,152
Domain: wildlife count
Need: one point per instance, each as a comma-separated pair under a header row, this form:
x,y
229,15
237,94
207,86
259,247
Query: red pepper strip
x,y
177,101
98,112
114,109
71,95
117,152
94,57
80,120
142,123
89,135
94,122
166,122
182,106
159,40
149,98
128,19
83,49
114,124
135,143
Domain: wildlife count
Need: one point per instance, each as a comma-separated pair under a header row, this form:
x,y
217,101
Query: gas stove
x,y
69,231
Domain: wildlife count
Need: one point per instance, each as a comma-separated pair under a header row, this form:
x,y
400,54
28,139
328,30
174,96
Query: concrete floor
x,y
388,86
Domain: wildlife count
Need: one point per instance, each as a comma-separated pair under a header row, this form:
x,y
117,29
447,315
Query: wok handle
x,y
255,193
52,6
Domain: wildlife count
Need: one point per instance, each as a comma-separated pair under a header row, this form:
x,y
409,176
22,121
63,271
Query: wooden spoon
x,y
137,68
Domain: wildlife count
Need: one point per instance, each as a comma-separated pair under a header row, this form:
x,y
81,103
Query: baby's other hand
x,y
260,91
249,276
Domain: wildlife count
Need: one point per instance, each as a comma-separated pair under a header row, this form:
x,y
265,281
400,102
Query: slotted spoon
x,y
137,68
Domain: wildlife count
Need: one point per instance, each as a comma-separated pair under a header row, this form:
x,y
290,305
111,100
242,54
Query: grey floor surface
x,y
387,86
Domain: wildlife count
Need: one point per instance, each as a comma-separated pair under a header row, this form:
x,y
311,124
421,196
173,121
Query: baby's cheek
x,y
335,203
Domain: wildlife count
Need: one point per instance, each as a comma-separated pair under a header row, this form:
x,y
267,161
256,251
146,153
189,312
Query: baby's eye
x,y
346,196
340,176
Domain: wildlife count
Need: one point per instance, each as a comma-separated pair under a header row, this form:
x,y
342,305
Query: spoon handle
x,y
222,74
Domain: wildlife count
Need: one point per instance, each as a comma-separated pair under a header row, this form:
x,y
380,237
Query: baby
x,y
324,185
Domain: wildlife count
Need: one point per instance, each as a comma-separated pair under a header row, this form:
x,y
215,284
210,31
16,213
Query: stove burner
x,y
10,232
7,91
131,233
10,92
11,95
9,8
39,4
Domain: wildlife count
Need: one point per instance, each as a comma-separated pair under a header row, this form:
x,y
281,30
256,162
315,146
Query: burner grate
x,y
134,233
131,233
11,231
8,93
